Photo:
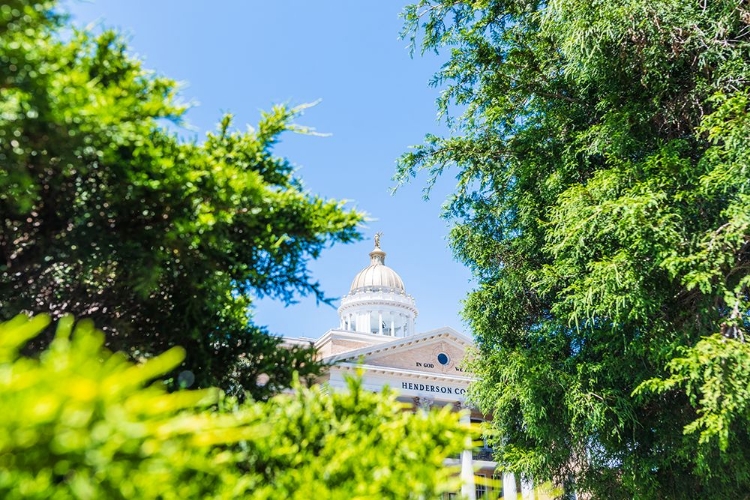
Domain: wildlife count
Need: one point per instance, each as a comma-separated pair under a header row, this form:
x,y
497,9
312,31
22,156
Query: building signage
x,y
440,389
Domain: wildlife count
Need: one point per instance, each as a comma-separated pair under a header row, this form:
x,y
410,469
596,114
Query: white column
x,y
527,488
509,485
393,330
468,490
380,322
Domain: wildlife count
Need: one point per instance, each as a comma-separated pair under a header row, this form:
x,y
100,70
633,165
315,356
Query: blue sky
x,y
244,56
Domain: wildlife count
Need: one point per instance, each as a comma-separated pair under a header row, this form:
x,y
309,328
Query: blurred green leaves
x,y
81,422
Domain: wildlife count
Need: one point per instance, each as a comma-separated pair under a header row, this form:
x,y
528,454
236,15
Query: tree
x,y
602,205
88,423
108,215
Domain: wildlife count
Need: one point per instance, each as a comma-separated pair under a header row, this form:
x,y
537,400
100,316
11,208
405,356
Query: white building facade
x,y
377,338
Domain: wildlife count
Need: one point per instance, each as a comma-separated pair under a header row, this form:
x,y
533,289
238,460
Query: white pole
x,y
509,486
527,488
468,490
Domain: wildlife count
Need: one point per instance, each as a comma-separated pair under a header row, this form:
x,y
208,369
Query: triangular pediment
x,y
440,351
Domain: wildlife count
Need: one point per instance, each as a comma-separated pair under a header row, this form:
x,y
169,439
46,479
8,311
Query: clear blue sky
x,y
244,56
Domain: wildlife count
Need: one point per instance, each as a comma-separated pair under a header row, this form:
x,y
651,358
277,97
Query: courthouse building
x,y
376,336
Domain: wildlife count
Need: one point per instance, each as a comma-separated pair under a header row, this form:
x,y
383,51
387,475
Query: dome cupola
x,y
377,274
377,302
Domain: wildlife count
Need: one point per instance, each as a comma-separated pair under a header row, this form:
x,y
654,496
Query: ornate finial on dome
x,y
377,256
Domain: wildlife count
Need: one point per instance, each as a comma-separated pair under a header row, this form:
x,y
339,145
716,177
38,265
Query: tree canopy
x,y
107,214
602,204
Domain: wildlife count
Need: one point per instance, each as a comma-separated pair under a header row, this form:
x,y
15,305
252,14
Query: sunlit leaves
x,y
87,423
108,214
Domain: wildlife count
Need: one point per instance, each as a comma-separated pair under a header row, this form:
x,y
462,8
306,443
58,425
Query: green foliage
x,y
84,423
602,204
715,374
108,215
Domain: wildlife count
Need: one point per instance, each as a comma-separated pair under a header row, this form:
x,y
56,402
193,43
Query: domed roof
x,y
377,274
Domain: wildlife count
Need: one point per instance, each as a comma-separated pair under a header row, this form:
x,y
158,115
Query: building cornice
x,y
403,373
401,342
337,334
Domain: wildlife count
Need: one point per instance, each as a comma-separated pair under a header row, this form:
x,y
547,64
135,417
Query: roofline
x,y
404,372
401,341
350,335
